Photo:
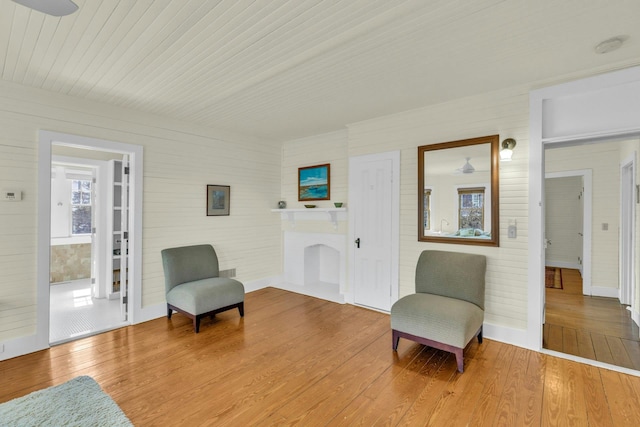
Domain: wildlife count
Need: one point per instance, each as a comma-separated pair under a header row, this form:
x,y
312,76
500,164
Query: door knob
x,y
357,243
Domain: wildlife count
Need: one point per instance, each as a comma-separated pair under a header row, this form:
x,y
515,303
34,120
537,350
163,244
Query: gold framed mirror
x,y
458,192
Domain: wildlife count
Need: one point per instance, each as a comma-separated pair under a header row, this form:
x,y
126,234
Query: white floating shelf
x,y
310,214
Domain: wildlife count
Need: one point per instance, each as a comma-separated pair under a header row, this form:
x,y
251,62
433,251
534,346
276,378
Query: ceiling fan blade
x,y
50,7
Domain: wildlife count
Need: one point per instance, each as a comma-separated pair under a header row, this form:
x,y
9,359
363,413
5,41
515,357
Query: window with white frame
x,y
80,206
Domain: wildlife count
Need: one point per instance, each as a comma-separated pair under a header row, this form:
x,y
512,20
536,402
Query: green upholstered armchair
x,y
447,310
193,287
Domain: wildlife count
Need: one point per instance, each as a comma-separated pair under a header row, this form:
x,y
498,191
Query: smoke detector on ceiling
x,y
609,45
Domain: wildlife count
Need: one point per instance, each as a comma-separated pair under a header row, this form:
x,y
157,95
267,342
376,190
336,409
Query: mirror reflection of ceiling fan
x,y
467,168
50,7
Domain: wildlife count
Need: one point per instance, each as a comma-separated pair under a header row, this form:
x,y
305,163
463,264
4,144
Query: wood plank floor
x,y
297,360
591,327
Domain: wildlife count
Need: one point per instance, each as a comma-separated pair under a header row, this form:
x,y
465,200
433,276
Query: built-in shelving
x,y
310,214
115,221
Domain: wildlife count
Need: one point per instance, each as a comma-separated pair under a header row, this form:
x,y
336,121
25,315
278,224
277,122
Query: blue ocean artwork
x,y
314,183
313,176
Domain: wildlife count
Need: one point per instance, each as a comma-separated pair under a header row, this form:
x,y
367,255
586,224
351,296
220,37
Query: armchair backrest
x,y
452,274
188,263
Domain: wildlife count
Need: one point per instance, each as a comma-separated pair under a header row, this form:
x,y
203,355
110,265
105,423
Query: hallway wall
x,y
70,262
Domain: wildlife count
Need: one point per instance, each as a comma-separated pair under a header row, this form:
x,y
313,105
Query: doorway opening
x,y
93,218
586,242
82,297
568,218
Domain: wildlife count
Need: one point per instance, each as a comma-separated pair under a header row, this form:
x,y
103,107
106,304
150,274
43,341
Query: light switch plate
x,y
512,232
11,195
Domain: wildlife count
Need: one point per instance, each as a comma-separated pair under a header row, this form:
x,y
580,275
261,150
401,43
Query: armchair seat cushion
x,y
204,295
447,320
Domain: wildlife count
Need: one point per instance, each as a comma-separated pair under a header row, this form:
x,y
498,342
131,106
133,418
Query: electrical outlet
x,y
227,273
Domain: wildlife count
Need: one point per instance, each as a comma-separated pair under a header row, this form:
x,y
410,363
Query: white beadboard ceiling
x,y
285,69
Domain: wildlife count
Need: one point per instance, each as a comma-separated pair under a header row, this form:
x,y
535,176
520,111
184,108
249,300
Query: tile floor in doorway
x,y
74,314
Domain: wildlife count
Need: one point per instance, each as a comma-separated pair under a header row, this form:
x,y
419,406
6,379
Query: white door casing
x,y
627,229
374,224
46,138
124,245
605,106
95,208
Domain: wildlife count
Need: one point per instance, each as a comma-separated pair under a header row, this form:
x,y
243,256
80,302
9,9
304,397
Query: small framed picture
x,y
218,198
314,183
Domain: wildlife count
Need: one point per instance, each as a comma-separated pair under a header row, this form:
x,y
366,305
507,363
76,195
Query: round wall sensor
x,y
611,44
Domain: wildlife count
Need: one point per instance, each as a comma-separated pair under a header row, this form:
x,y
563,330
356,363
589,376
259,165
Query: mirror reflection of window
x,y
471,208
426,200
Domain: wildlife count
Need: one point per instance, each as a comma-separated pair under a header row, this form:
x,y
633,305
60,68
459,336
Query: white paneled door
x,y
372,205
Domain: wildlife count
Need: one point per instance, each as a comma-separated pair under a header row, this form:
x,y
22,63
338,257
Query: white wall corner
x,y
19,346
601,291
150,312
349,298
635,316
255,285
563,264
504,334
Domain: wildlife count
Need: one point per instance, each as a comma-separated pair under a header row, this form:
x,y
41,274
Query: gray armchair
x,y
193,287
447,310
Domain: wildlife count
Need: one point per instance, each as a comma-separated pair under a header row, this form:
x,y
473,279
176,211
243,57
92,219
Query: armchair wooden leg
x,y
395,339
459,359
169,312
480,335
241,309
196,324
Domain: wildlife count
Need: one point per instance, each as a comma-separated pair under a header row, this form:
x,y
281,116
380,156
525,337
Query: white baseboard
x,y
513,336
504,334
255,285
600,291
635,316
160,310
563,264
19,346
151,312
327,292
25,345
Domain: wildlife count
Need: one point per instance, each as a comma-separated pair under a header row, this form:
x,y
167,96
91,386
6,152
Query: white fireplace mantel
x,y
313,214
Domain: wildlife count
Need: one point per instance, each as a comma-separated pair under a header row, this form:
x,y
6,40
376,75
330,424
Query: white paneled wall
x,y
504,113
603,159
316,150
179,161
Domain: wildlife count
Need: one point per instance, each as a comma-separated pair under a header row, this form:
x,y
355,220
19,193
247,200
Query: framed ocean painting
x,y
314,183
